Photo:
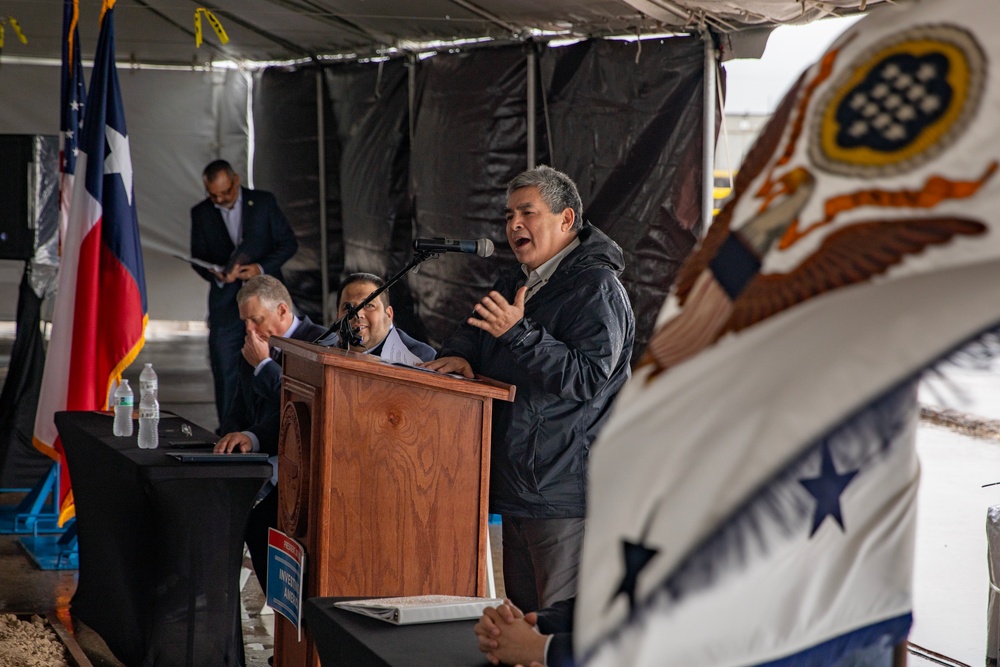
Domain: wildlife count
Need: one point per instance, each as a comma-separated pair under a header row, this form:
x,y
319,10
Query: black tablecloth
x,y
161,543
347,638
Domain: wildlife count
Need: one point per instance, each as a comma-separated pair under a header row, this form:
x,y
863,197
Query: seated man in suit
x,y
254,417
373,328
244,232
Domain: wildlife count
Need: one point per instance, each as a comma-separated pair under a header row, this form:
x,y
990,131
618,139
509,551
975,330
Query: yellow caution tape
x,y
72,32
212,21
17,30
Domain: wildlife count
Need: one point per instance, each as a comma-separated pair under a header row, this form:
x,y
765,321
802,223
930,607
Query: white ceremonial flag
x,y
752,496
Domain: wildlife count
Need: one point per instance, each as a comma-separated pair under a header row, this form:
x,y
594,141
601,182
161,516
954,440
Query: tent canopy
x,y
162,31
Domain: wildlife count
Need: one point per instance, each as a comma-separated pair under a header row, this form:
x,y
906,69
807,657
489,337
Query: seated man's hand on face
x,y
233,443
449,365
507,636
255,348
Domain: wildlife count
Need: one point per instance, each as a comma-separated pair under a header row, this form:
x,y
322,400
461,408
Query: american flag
x,y
73,97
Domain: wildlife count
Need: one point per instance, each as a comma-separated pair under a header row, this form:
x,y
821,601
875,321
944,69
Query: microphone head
x,y
484,247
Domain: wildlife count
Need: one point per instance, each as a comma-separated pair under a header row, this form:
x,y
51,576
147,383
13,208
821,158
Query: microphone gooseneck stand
x,y
343,325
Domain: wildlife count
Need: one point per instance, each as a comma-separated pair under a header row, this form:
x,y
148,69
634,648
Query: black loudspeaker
x,y
29,164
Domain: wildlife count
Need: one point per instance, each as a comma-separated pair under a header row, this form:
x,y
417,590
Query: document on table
x,y
421,608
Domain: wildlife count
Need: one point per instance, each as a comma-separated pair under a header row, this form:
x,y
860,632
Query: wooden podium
x,y
383,476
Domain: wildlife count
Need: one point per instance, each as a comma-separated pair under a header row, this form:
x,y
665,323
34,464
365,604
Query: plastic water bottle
x,y
149,418
148,383
124,400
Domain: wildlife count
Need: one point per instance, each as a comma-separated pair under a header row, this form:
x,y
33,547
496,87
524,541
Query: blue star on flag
x,y
636,557
827,489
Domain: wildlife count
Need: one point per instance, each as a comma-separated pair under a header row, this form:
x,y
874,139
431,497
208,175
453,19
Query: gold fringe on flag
x,y
72,31
106,7
212,21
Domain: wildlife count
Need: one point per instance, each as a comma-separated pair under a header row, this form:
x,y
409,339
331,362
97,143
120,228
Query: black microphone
x,y
481,247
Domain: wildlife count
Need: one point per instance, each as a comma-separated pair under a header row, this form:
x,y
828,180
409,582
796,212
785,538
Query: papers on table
x,y
421,608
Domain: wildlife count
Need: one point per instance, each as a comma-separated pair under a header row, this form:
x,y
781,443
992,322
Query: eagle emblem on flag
x,y
889,112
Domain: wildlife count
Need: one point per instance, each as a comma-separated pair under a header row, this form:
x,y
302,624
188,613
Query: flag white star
x,y
75,105
119,160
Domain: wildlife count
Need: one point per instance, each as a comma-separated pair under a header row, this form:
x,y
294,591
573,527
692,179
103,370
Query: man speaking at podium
x,y
560,328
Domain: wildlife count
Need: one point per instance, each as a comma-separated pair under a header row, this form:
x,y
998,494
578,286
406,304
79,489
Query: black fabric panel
x,y
630,134
469,141
370,107
21,465
286,162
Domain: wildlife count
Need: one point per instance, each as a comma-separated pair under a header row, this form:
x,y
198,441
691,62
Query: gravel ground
x,y
29,643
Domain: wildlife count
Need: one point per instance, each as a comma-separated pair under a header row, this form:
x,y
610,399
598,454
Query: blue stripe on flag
x,y
879,637
105,143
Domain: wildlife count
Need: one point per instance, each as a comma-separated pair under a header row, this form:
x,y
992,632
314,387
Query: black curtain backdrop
x,y
470,139
21,465
625,122
286,162
370,109
627,126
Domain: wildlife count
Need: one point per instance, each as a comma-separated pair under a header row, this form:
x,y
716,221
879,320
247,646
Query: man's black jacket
x,y
568,357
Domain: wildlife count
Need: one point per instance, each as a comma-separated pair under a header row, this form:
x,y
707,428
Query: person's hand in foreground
x,y
508,636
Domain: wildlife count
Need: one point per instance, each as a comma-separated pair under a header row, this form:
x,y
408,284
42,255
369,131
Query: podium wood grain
x,y
384,477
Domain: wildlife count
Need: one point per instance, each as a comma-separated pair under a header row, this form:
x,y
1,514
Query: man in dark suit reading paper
x,y
246,233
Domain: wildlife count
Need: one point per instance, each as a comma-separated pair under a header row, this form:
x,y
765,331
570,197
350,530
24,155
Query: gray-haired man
x,y
560,328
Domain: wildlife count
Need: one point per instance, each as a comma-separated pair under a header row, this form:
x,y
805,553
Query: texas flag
x,y
753,497
98,326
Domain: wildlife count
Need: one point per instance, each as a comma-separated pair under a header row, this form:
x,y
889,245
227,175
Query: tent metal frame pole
x,y
324,260
532,62
708,132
